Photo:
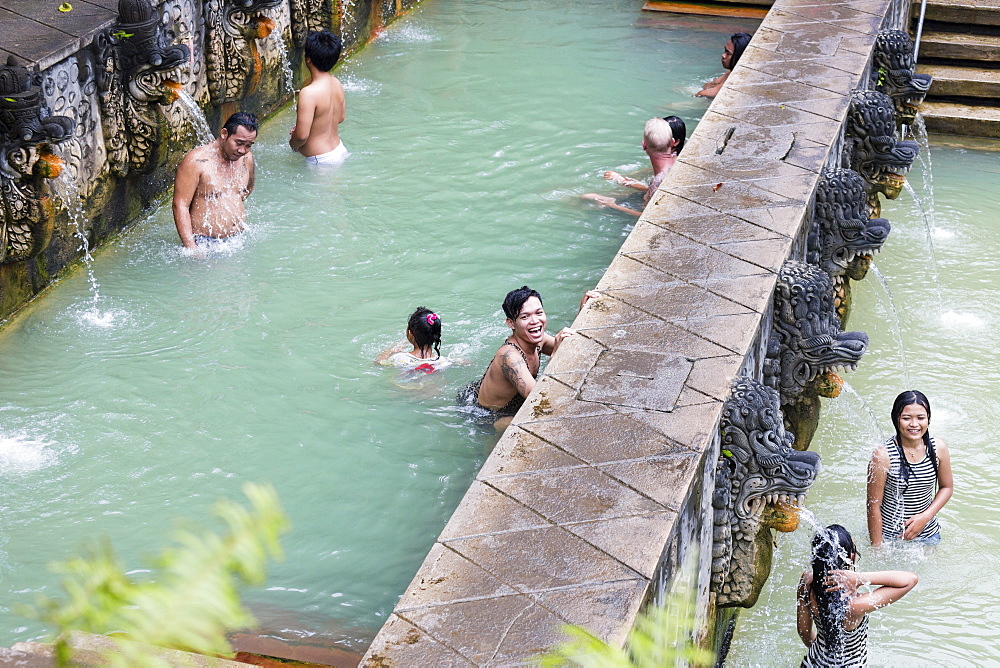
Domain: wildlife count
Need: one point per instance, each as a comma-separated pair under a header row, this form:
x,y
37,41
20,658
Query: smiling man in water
x,y
512,373
212,183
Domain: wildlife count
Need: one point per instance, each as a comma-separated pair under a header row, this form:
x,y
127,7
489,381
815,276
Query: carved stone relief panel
x,y
27,130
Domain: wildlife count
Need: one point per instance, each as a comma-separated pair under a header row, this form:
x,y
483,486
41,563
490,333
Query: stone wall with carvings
x,y
128,82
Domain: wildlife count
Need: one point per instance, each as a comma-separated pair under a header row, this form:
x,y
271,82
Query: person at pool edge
x,y
213,181
321,107
511,374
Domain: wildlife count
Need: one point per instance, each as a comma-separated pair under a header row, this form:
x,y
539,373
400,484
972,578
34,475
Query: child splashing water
x,y
423,333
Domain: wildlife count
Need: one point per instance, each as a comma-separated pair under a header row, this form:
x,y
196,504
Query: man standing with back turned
x,y
321,104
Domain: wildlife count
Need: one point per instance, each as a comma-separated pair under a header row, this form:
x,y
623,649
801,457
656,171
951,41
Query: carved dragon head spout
x,y
806,340
27,130
234,63
872,149
138,71
758,470
842,230
892,74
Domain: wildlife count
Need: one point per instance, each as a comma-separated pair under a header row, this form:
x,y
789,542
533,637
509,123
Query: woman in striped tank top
x,y
831,614
903,475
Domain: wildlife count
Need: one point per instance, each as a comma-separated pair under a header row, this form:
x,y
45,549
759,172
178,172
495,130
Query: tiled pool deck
x,y
41,35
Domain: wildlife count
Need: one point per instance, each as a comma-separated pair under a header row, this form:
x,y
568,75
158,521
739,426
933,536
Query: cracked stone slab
x,y
696,262
714,375
734,196
575,495
400,643
715,227
598,608
768,254
445,577
601,439
626,272
606,312
786,221
636,541
539,559
752,291
485,510
554,398
694,425
636,378
518,452
676,303
576,353
657,336
665,479
747,167
736,332
648,236
501,631
834,108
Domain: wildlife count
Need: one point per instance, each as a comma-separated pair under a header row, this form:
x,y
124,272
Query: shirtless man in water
x,y
512,373
212,183
321,107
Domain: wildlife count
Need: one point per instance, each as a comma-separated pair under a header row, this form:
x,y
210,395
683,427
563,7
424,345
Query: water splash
x,y
199,124
286,63
73,204
862,409
20,453
930,244
897,331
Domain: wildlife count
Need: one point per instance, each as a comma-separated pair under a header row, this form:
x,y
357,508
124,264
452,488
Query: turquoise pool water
x,y
474,126
948,324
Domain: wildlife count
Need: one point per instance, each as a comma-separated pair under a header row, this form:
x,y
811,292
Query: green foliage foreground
x,y
663,636
191,599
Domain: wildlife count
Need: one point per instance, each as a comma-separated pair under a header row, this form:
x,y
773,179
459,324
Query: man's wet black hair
x,y
246,119
678,130
515,299
740,41
323,49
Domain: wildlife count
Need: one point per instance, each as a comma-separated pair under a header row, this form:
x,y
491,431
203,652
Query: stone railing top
x,y
41,35
568,517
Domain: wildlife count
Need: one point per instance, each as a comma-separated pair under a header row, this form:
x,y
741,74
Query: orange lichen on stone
x,y
49,165
263,26
781,516
829,385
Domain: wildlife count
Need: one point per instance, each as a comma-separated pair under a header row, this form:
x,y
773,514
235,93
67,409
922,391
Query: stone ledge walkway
x,y
40,35
589,498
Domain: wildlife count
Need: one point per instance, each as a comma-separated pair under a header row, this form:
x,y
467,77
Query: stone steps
x,y
960,48
980,12
954,118
949,45
961,81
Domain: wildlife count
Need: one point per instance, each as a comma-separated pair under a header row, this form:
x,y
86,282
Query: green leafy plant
x,y
190,601
663,636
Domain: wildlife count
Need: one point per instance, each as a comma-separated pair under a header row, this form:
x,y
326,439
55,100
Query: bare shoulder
x,y
881,456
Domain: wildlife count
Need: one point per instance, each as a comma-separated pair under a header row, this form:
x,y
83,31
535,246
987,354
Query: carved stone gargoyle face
x,y
757,470
27,129
233,59
842,229
871,145
892,74
149,65
806,340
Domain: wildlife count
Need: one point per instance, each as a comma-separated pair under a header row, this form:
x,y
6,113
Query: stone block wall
x,y
116,79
